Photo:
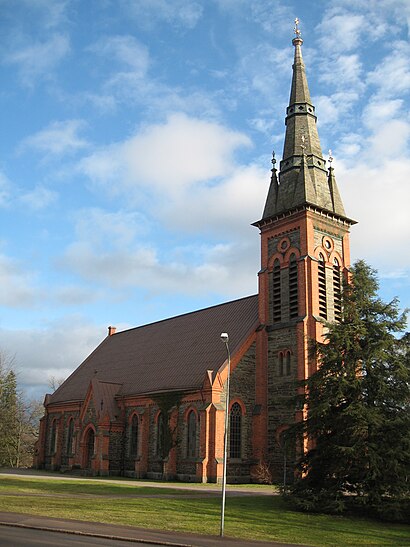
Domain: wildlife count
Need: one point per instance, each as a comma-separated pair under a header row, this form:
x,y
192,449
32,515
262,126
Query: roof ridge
x,y
185,314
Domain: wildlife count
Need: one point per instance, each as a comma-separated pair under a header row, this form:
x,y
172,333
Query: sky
x,y
135,154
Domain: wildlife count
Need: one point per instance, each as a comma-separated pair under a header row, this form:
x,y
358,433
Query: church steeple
x,y
305,255
303,177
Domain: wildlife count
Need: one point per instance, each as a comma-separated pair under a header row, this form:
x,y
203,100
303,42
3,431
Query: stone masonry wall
x,y
281,390
242,388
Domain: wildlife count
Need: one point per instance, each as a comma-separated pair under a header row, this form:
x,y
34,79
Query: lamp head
x,y
225,337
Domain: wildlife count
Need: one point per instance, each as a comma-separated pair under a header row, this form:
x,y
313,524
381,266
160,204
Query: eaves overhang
x,y
304,207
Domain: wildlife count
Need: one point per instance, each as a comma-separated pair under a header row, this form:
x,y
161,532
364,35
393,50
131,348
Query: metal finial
x,y
297,30
273,160
330,159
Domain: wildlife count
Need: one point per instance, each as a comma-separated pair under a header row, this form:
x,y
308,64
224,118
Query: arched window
x,y
276,293
192,445
280,364
287,363
90,448
337,290
160,435
53,437
322,287
134,436
293,287
235,431
70,436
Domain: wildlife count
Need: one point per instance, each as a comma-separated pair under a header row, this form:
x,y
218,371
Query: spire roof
x,y
303,178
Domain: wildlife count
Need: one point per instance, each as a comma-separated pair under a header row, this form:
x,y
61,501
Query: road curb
x,y
93,534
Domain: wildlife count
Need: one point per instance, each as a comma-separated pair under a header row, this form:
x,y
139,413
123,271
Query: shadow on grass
x,y
261,517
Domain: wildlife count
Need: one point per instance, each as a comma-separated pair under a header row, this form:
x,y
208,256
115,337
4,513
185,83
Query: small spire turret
x,y
271,200
337,203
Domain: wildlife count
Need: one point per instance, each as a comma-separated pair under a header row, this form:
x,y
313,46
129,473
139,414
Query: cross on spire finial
x,y
273,160
297,30
330,159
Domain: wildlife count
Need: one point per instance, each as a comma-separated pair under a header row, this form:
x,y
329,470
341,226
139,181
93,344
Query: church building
x,y
149,402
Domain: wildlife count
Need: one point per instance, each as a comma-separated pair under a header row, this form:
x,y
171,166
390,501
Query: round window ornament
x,y
283,245
328,243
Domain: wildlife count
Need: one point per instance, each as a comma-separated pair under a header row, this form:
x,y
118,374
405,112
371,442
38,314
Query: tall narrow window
x,y
90,448
134,436
192,444
322,287
70,435
293,287
276,293
235,431
53,437
280,364
337,290
160,435
287,363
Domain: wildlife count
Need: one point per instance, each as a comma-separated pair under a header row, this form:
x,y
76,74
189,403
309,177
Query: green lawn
x,y
252,516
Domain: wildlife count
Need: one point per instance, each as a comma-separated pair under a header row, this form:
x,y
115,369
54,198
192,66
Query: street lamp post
x,y
225,340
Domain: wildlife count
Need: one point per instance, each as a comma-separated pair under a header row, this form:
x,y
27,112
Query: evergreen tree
x,y
357,426
8,416
19,420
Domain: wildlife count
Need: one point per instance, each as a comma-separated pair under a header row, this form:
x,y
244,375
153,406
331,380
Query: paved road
x,y
23,537
123,535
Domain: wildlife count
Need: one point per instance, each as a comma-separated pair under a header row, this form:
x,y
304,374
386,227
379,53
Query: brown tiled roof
x,y
173,354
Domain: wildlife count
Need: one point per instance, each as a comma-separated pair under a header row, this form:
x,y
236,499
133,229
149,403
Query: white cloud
x,y
343,30
331,109
380,16
57,139
343,71
195,270
179,153
125,50
185,13
392,75
39,198
271,15
52,12
127,79
383,232
5,190
75,295
226,209
260,69
389,141
50,350
108,228
350,146
39,59
17,290
191,182
378,112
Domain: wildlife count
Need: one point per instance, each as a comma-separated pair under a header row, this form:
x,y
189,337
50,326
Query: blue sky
x,y
135,153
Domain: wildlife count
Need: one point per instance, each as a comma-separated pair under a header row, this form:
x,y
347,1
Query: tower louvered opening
x,y
337,291
293,287
276,293
322,287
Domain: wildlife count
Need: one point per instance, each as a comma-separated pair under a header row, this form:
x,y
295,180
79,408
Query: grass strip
x,y
89,487
253,517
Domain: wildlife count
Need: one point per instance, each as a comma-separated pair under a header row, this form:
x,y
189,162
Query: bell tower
x,y
304,256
